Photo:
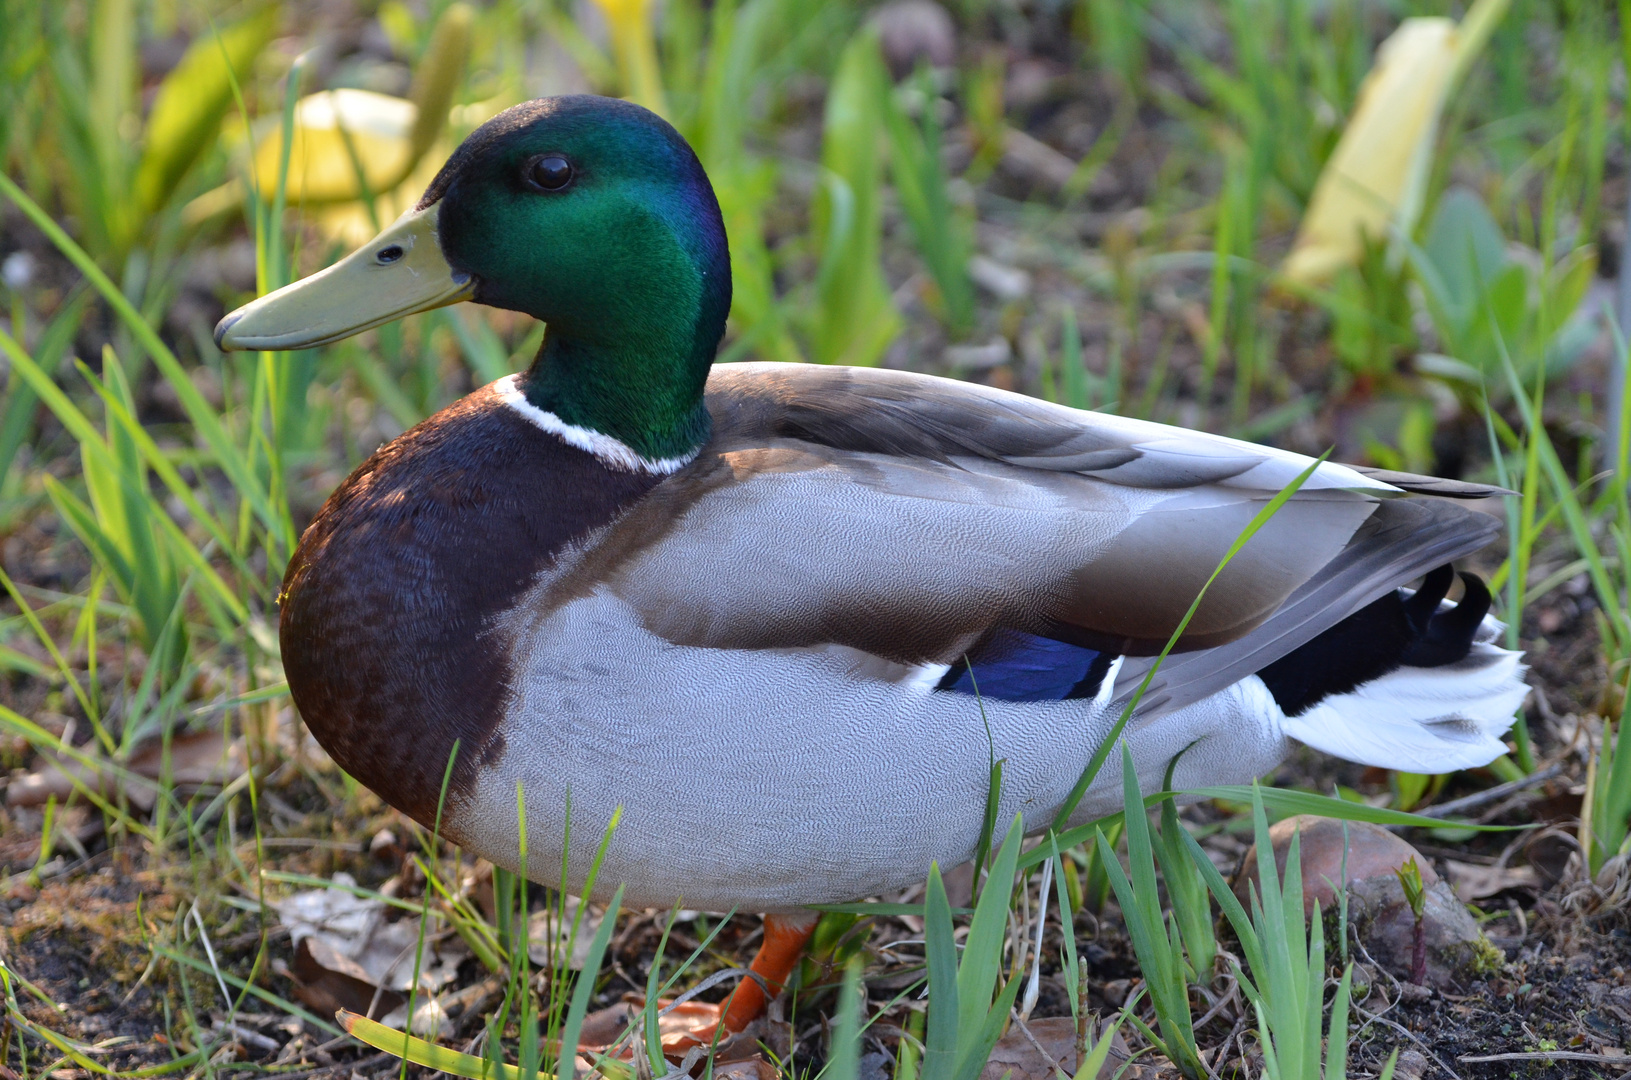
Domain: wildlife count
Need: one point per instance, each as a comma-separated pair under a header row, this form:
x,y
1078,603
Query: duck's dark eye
x,y
551,172
388,254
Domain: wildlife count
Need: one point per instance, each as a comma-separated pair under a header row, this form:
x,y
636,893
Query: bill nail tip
x,y
221,329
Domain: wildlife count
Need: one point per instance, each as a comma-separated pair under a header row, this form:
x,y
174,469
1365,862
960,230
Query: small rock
x,y
17,271
1415,992
915,30
1003,282
980,357
874,1066
1457,951
1372,852
385,846
1031,82
1412,1065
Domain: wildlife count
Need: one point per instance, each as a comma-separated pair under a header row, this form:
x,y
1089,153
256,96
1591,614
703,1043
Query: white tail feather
x,y
1423,720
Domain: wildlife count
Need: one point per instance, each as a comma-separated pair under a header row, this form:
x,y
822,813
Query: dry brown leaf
x,y
1472,882
542,926
602,1027
753,1068
197,759
346,948
690,1023
325,980
1018,1052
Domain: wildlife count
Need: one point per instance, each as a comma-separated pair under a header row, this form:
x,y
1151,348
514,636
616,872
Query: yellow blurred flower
x,y
343,139
350,224
350,144
635,48
1374,182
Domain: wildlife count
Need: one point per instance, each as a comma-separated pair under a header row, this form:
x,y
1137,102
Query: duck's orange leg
x,y
779,952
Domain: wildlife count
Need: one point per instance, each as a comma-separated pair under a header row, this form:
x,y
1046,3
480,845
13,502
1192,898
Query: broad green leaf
x,y
193,100
1465,247
854,317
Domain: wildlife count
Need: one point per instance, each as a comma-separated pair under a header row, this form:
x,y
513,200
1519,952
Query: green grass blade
x,y
417,1051
982,949
1186,892
844,1052
940,1043
566,1067
203,418
1287,803
1245,932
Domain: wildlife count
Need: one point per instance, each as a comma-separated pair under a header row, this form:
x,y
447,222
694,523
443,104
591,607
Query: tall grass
x,y
853,318
1285,957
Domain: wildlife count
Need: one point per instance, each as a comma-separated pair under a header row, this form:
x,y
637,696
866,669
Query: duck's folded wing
x,y
909,516
1402,540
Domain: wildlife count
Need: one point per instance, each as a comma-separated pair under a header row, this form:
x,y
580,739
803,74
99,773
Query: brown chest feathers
x,y
390,604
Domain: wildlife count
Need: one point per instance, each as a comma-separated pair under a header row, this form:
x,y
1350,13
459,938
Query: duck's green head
x,y
589,213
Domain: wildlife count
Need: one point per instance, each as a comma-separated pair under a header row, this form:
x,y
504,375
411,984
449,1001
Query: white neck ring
x,y
613,453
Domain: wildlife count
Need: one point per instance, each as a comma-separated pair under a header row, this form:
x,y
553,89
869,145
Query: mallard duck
x,y
786,615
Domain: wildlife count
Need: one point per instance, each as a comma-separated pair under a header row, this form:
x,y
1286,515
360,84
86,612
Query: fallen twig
x,y
1550,1055
355,1066
1494,794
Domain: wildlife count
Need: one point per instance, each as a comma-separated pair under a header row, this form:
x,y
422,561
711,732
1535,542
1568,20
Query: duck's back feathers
x,y
911,517
908,415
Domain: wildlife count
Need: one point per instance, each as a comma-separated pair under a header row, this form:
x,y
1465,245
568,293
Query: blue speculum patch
x,y
1011,665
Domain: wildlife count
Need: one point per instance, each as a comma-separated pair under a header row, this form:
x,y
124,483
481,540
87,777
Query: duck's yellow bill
x,y
399,272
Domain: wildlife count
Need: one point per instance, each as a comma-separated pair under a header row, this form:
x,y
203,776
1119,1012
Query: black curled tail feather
x,y
1448,635
1391,632
1420,608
